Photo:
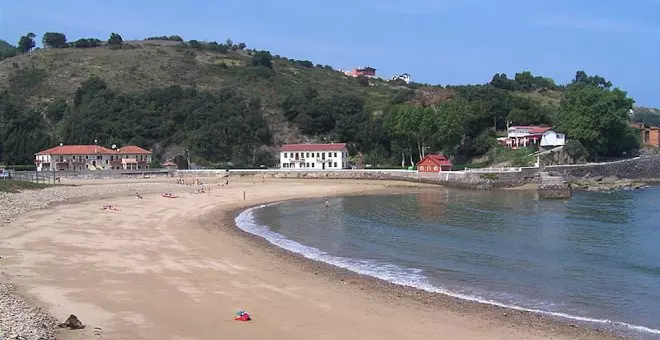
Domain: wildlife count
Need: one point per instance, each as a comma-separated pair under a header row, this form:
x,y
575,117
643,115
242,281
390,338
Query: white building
x,y
405,77
314,156
551,138
92,157
524,136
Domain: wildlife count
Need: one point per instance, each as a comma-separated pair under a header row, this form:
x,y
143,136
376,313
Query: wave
x,y
410,277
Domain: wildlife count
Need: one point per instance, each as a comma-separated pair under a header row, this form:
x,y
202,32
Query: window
x,y
297,155
335,164
107,161
428,167
435,168
74,156
312,165
307,165
335,155
86,157
307,155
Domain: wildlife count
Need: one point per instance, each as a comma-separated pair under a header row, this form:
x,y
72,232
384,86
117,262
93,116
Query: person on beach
x,y
327,203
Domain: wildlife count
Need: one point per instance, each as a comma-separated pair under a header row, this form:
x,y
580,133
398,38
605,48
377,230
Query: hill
x,y
229,105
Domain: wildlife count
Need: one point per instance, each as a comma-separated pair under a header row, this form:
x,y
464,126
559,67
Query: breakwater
x,y
471,179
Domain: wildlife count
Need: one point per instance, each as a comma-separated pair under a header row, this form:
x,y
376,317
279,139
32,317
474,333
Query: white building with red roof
x,y
533,136
92,157
333,156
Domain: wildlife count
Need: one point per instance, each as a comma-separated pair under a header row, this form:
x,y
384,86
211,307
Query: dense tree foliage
x,y
115,39
217,128
22,132
54,40
597,116
26,43
167,38
7,50
86,43
523,81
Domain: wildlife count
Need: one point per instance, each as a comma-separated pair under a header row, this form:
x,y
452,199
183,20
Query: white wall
x,y
552,138
314,160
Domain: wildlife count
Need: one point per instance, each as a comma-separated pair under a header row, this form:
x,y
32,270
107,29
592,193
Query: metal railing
x,y
494,170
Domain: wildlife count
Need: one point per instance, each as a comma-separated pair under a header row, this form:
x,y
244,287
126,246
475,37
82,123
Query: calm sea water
x,y
594,258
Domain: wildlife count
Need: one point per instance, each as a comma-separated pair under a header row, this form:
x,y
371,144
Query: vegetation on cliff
x,y
228,104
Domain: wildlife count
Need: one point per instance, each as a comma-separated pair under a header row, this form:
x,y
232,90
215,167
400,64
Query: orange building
x,y
434,163
650,134
369,72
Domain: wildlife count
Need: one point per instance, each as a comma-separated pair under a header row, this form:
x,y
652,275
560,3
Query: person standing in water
x,y
327,203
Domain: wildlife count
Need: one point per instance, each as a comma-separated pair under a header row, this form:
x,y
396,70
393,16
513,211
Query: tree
x,y
115,39
86,43
195,44
7,50
262,58
242,46
54,40
26,43
597,116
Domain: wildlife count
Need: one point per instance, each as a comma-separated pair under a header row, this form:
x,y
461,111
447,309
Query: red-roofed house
x,y
362,71
314,156
92,157
524,136
434,163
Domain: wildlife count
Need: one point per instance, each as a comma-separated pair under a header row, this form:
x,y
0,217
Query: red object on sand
x,y
243,317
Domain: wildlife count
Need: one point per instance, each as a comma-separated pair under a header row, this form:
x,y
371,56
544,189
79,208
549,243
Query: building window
x,y
307,155
335,155
428,167
335,164
86,157
74,156
312,165
435,168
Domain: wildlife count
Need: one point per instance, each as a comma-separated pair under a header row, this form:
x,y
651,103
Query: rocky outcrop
x,y
554,187
603,184
640,168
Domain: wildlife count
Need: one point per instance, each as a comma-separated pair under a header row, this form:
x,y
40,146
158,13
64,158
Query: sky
x,y
446,42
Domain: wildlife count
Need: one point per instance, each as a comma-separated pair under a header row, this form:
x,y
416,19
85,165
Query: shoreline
x,y
212,224
383,289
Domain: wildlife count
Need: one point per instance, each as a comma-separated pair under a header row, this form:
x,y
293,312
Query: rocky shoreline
x,y
20,318
607,184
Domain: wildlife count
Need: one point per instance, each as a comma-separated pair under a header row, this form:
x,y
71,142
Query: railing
x,y
494,170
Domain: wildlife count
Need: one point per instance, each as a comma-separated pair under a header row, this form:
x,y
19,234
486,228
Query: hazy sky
x,y
436,41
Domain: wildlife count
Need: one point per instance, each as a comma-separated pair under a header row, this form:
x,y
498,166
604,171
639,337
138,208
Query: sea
x,y
593,259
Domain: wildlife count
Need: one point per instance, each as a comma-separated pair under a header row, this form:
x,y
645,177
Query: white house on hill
x,y
314,156
524,136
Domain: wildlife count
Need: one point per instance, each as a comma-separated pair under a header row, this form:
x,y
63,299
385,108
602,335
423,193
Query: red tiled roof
x,y
313,147
436,159
76,150
132,149
169,164
533,129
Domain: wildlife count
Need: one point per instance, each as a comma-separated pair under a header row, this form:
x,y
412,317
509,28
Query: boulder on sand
x,y
72,322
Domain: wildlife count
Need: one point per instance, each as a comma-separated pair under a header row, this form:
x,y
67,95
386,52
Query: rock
x,y
609,179
555,191
72,322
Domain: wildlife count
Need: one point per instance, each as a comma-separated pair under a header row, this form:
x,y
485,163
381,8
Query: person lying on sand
x,y
138,196
109,207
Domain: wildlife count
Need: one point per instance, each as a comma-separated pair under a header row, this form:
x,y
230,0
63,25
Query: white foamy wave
x,y
410,277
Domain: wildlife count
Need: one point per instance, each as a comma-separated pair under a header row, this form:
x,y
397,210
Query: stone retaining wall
x,y
46,176
641,168
459,179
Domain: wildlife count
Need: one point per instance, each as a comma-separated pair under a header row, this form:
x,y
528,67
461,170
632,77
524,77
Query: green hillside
x,y
229,105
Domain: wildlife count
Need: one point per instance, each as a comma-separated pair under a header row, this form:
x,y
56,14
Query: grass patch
x,y
13,186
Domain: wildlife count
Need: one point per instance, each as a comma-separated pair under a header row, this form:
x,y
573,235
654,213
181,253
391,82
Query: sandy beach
x,y
179,269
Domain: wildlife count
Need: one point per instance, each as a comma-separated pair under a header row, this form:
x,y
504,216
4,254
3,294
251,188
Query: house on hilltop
x,y
92,157
369,72
333,156
532,136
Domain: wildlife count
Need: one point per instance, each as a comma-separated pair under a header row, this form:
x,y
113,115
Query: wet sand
x,y
179,269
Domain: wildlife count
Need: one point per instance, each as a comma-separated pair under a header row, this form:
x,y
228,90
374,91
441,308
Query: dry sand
x,y
178,269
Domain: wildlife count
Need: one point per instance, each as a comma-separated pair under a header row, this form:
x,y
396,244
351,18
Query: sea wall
x,y
47,176
640,168
484,179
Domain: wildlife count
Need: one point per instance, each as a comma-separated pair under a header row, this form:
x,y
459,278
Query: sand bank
x,y
178,269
